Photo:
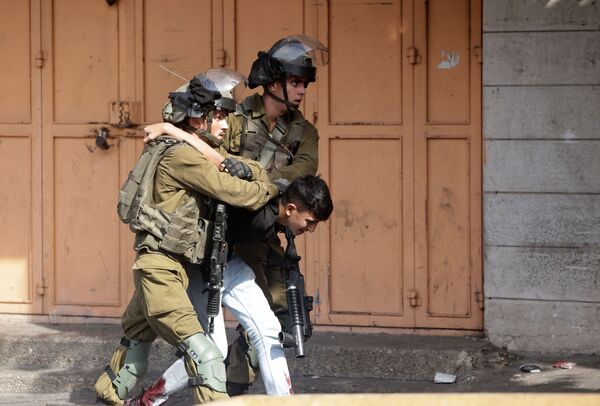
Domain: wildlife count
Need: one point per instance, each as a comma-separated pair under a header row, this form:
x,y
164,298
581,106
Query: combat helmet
x,y
206,92
296,55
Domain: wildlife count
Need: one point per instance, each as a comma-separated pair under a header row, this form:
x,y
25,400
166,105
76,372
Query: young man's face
x,y
300,221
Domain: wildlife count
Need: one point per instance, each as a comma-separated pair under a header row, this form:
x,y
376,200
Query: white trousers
x,y
247,303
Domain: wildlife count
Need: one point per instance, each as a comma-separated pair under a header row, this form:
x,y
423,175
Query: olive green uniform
x,y
160,305
266,258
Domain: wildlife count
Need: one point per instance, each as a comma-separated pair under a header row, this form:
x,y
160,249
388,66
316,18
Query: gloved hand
x,y
282,184
237,168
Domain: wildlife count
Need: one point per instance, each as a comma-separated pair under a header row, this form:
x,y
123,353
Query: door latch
x,y
101,138
125,114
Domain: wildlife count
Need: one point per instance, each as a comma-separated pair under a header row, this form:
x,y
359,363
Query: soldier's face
x,y
219,125
300,221
296,89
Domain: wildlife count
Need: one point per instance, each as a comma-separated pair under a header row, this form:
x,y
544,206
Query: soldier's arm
x,y
258,172
305,161
190,169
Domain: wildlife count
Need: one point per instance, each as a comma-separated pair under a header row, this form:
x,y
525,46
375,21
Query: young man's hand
x,y
153,131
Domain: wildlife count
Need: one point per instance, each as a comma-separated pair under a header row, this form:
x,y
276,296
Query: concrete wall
x,y
541,117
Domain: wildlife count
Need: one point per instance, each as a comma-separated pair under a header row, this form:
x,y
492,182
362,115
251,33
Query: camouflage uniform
x,y
160,305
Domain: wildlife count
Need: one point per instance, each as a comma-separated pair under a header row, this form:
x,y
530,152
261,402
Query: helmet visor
x,y
222,80
294,47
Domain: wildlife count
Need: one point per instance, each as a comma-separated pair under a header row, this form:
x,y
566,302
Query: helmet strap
x,y
207,137
204,135
209,120
211,139
285,100
289,105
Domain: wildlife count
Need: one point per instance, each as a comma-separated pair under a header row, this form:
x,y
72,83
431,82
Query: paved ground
x,y
50,363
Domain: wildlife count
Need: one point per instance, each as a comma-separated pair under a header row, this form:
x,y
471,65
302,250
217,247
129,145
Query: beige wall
x,y
398,111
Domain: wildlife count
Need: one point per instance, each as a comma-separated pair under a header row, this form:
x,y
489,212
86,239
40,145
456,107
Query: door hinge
x,y
221,58
41,287
40,57
477,51
479,298
413,298
413,56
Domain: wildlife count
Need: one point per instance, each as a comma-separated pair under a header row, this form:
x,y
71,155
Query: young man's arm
x,y
156,130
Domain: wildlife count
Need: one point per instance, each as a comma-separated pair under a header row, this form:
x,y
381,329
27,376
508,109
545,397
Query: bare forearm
x,y
156,130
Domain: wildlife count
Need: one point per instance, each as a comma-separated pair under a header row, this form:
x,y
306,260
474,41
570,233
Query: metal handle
x,y
101,138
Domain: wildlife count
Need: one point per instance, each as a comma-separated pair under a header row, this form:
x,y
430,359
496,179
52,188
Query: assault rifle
x,y
299,305
218,258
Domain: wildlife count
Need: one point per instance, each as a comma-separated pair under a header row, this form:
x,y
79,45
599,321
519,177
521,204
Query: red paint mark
x,y
148,396
289,382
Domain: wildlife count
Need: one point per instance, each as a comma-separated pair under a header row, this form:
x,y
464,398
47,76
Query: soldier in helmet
x,y
269,128
298,209
168,201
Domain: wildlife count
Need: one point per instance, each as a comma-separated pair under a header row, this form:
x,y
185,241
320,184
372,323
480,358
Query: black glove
x,y
237,168
282,184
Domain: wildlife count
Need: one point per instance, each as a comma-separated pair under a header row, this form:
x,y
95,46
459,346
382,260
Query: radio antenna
x,y
174,73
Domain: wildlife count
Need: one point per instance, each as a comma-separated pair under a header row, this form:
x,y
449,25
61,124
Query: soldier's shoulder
x,y
183,153
308,126
303,123
250,103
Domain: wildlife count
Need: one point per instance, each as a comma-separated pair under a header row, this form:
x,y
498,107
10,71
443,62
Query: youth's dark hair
x,y
310,193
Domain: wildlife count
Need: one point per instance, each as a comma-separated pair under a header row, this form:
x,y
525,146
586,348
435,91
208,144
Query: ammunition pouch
x,y
182,232
254,137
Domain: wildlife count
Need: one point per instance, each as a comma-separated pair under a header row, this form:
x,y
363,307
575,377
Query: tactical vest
x,y
274,150
182,232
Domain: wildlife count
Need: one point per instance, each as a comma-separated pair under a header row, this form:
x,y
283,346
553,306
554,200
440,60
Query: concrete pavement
x,y
53,362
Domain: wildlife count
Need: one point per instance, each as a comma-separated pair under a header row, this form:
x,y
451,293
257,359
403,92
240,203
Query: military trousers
x,y
160,307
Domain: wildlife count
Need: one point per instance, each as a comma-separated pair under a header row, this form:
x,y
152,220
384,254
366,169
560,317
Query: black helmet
x,y
208,91
223,81
296,55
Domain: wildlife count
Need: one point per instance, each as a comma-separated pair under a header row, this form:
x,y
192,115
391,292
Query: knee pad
x,y
134,366
210,369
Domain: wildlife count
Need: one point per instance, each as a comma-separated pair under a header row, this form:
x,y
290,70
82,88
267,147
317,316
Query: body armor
x,y
272,150
182,232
